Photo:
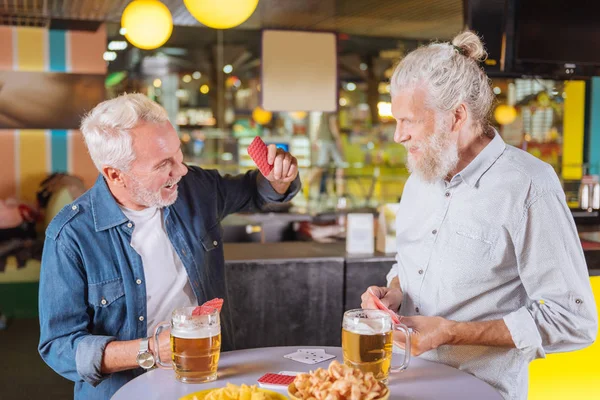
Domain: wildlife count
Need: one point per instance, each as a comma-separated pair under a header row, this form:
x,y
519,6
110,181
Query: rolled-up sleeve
x,y
65,344
89,364
561,312
270,195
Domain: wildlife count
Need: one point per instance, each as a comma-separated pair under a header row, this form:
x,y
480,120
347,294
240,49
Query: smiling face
x,y
432,149
158,167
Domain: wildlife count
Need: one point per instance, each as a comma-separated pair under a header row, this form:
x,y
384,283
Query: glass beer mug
x,y
367,342
195,344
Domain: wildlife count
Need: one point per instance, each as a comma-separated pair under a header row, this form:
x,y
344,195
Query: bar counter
x,y
297,292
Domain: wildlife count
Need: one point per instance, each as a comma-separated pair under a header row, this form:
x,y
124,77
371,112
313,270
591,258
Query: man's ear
x,y
113,176
460,117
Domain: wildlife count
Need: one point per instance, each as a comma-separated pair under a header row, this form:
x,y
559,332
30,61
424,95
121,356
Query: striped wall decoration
x,y
28,156
40,49
594,132
573,130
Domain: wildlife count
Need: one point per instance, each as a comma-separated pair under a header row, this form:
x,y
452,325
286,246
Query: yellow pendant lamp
x,y
221,14
505,114
148,24
261,116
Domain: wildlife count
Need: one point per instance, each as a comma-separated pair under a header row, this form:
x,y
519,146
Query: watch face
x,y
145,360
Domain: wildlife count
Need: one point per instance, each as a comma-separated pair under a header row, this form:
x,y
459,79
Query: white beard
x,y
148,198
438,158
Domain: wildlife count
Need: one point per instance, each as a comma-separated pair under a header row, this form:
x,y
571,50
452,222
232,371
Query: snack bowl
x,y
340,381
292,391
201,395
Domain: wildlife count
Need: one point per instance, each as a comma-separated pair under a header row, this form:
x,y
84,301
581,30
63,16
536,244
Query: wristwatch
x,y
145,358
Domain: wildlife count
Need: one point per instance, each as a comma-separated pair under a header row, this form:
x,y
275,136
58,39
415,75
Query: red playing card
x,y
215,303
207,307
276,379
382,307
259,152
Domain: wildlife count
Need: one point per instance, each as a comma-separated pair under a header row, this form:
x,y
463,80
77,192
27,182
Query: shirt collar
x,y
484,160
105,210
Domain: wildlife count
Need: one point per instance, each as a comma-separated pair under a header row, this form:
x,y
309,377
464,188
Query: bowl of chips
x,y
339,382
234,392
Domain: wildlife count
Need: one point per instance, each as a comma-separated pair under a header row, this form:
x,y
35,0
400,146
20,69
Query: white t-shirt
x,y
167,284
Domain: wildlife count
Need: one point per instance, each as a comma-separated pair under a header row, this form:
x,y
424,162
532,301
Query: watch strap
x,y
144,348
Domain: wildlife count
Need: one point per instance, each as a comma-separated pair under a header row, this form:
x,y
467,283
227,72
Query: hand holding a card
x,y
279,167
374,297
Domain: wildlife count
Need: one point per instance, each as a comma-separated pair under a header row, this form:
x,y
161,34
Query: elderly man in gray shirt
x,y
490,272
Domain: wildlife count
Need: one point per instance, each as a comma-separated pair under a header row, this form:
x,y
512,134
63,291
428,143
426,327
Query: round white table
x,y
422,380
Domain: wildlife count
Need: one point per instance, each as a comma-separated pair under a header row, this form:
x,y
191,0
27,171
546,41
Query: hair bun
x,y
470,45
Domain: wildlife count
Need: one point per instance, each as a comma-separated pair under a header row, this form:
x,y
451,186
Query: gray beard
x,y
438,159
148,198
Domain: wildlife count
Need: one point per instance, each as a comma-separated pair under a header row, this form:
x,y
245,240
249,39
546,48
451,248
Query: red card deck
x,y
207,307
258,151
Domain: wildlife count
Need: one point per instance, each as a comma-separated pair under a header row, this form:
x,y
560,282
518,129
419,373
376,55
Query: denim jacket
x,y
92,286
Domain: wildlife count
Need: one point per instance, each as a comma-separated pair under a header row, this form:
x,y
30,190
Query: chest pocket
x,y
212,239
104,294
473,243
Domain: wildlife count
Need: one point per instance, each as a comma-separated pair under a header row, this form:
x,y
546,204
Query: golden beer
x,y
196,355
367,342
195,344
368,352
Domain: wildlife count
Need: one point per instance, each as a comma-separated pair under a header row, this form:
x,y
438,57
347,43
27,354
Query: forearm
x,y
484,333
120,356
395,284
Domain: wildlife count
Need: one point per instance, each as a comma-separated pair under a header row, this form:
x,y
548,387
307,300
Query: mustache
x,y
172,182
411,146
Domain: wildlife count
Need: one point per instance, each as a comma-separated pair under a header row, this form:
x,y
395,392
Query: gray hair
x,y
107,127
452,76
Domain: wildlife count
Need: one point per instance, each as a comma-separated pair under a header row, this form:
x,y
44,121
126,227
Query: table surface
x,y
422,380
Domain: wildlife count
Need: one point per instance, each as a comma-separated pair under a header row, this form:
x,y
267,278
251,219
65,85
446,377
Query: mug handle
x,y
406,330
158,330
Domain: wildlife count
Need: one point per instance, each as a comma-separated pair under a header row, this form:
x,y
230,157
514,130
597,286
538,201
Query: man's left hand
x,y
428,333
285,169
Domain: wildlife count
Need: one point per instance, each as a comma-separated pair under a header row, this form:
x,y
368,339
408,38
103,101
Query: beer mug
x,y
367,342
195,344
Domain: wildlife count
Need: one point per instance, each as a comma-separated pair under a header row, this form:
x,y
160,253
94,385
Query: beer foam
x,y
363,328
201,333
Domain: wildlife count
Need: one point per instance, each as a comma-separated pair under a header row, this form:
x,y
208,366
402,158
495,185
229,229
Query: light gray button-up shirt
x,y
496,242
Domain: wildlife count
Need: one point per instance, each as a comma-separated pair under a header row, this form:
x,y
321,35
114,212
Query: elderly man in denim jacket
x,y
145,239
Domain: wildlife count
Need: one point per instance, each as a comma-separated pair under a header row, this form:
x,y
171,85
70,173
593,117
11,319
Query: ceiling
x,y
408,19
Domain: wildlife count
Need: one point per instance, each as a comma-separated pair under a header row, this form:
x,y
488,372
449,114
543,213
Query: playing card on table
x,y
312,351
313,356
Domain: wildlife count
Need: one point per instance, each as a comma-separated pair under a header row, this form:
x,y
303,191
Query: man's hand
x,y
165,346
428,333
390,297
285,169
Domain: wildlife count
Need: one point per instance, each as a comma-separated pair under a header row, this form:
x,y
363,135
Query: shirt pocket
x,y
473,242
212,239
104,294
468,256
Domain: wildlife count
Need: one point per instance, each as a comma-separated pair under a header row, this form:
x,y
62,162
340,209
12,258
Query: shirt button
x,y
141,318
578,301
447,194
434,231
138,281
103,302
129,225
215,243
74,208
420,272
417,310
